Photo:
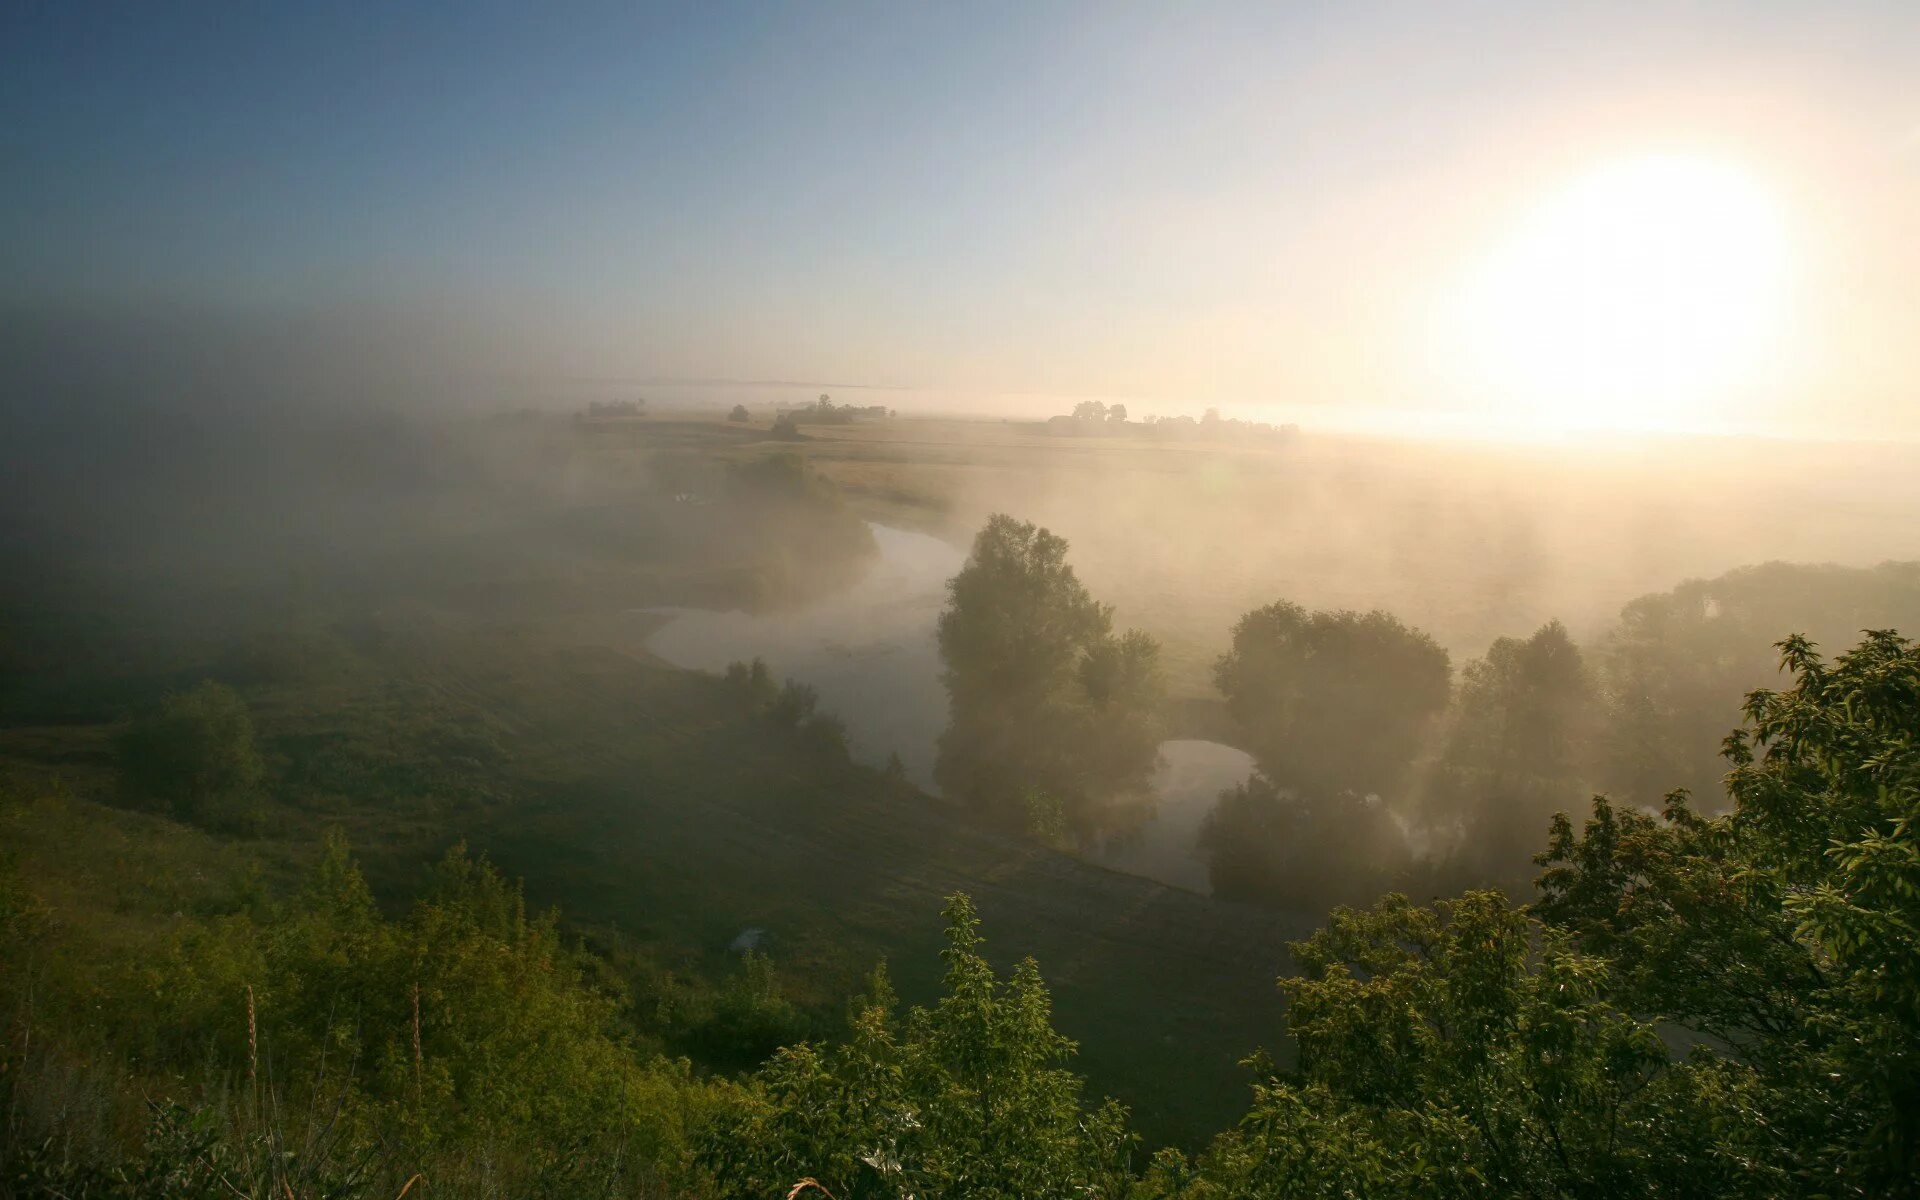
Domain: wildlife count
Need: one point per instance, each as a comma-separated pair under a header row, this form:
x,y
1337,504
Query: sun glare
x,y
1646,294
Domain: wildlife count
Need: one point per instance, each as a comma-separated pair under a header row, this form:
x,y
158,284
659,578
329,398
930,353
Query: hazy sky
x,y
1188,204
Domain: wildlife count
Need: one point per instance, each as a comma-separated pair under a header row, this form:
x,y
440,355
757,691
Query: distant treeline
x,y
1093,417
603,409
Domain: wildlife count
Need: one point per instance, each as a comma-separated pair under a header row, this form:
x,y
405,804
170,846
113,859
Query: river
x,y
870,651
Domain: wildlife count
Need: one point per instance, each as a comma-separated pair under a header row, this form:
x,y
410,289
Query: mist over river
x,y
871,653
869,650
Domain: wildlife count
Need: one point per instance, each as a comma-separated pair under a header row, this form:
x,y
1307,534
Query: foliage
x,y
1470,1048
191,1154
1041,692
748,1020
1452,1050
467,1036
1789,928
1516,752
1677,663
739,413
1332,701
752,682
1266,844
967,1098
792,707
195,756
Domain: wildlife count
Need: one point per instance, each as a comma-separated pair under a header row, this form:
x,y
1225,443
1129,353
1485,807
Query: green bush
x,y
194,757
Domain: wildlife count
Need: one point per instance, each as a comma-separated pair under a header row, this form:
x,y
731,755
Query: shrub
x,y
195,757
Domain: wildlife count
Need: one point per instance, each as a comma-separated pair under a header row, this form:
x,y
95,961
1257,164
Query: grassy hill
x,y
664,820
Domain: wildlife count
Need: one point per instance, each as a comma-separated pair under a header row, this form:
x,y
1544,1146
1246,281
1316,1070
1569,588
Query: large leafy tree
x,y
1452,1050
1696,1006
1516,751
1332,701
1042,694
1788,929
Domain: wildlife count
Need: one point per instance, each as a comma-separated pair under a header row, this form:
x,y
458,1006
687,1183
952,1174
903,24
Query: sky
x,y
1295,207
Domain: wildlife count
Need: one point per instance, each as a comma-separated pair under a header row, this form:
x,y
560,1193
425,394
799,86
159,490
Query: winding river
x,y
871,654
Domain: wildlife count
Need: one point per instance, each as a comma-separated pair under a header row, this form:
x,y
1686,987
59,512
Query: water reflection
x,y
1191,777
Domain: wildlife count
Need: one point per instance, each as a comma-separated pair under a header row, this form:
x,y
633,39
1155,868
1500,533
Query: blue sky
x,y
1250,203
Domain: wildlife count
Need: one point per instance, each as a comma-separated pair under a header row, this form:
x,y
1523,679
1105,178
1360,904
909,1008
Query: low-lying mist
x,y
184,523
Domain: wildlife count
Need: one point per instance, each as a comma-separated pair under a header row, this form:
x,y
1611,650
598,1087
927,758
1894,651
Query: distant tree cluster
x,y
1095,412
825,412
1518,748
1093,417
606,409
1367,750
1677,662
1043,695
1361,739
1332,701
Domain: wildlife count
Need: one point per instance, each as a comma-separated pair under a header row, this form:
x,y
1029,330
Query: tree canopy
x,y
969,1097
1332,701
1042,694
1518,748
194,755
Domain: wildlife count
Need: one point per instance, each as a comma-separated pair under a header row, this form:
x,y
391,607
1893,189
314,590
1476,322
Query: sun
x,y
1645,294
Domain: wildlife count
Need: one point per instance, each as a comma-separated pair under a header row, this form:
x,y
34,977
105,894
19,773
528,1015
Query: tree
x,y
1518,750
1090,410
1676,665
1265,844
194,754
1452,1050
739,413
968,1098
1332,701
1041,693
1787,929
1117,414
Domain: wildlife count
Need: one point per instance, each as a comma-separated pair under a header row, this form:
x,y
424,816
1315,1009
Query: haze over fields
x,y
1485,215
1136,602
